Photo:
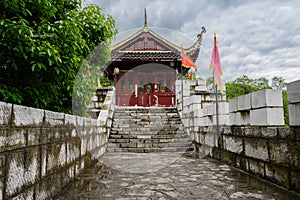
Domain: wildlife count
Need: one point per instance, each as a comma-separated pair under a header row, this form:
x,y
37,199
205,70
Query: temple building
x,y
144,68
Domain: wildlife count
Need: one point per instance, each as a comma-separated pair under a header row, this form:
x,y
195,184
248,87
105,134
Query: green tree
x,y
42,46
244,85
278,83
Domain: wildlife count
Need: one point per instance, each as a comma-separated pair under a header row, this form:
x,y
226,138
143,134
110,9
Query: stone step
x,y
144,140
147,130
150,150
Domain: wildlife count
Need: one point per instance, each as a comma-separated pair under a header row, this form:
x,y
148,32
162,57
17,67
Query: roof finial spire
x,y
145,18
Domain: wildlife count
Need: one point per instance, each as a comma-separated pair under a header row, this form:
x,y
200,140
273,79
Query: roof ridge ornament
x,y
145,18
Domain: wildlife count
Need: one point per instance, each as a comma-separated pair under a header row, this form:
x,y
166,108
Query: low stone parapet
x,y
42,151
261,108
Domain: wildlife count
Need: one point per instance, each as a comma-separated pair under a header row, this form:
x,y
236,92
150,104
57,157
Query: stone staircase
x,y
144,130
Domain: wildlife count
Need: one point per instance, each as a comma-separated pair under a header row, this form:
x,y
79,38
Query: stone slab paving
x,y
160,176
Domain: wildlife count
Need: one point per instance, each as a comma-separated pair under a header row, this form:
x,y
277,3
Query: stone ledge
x,y
266,98
54,118
5,110
24,116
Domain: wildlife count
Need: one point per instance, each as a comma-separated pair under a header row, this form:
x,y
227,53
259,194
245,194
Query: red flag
x,y
187,61
88,73
215,65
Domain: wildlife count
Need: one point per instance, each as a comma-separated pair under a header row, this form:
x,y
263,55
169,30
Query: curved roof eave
x,y
145,29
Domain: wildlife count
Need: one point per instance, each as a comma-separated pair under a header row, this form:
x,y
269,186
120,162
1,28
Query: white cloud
x,y
256,38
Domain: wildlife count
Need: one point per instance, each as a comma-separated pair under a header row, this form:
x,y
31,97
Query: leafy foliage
x,y
244,85
86,81
42,46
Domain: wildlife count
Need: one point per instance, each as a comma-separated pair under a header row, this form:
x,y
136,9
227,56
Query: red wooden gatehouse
x,y
144,68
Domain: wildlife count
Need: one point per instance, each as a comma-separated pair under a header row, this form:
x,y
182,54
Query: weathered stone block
x,y
253,132
267,117
27,116
242,163
22,170
25,194
256,167
5,110
244,102
269,132
223,108
73,150
79,121
192,82
87,123
200,88
242,118
277,174
68,175
33,136
228,157
295,180
15,138
207,121
195,106
54,118
238,131
186,101
210,139
293,91
54,134
208,110
233,144
266,98
232,119
233,105
70,120
198,122
44,189
223,120
285,153
198,112
285,133
226,131
56,157
294,114
256,148
186,92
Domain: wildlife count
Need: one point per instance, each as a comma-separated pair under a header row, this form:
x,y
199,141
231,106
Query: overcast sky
x,y
256,38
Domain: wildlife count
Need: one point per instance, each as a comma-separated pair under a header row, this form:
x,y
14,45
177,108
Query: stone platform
x,y
128,176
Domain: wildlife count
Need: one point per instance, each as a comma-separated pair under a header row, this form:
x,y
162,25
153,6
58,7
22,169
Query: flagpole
x,y
215,87
181,70
217,111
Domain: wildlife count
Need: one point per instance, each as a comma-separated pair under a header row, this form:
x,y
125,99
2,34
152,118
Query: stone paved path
x,y
129,176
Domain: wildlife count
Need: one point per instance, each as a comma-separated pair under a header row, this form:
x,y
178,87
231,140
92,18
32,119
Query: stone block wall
x,y
271,153
261,108
252,135
42,151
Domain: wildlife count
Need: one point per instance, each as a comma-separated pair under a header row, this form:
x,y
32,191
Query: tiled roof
x,y
144,55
